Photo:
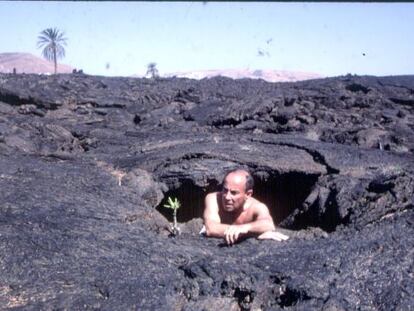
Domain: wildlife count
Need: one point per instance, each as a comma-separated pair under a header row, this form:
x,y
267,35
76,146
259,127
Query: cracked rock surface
x,y
87,162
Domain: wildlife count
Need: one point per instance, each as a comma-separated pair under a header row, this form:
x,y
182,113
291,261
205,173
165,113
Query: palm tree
x,y
52,42
152,70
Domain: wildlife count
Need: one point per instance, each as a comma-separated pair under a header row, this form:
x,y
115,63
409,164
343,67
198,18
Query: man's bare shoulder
x,y
256,204
211,211
211,195
211,201
259,209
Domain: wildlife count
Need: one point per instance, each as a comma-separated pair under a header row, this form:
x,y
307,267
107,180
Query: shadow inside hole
x,y
191,198
283,193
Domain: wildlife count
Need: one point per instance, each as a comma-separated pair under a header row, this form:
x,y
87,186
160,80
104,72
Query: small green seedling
x,y
174,204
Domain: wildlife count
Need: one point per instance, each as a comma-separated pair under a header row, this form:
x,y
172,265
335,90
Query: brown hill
x,y
29,63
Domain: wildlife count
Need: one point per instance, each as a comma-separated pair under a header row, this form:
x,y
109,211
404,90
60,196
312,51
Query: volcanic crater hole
x,y
282,193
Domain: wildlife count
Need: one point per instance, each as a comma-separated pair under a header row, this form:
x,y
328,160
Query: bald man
x,y
233,213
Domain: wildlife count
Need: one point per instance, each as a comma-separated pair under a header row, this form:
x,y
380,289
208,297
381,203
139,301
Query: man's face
x,y
234,193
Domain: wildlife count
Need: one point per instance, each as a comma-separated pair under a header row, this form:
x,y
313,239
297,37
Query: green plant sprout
x,y
174,204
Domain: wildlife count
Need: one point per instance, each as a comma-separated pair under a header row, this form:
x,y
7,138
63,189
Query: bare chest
x,y
243,218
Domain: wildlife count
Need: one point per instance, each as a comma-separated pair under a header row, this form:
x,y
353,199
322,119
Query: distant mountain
x,y
29,63
267,75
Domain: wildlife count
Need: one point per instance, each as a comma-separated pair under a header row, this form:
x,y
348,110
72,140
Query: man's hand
x,y
273,235
232,233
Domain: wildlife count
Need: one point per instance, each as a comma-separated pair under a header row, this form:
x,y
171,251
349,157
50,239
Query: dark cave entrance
x,y
282,193
191,198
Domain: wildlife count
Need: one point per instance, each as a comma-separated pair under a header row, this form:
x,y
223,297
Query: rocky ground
x,y
86,164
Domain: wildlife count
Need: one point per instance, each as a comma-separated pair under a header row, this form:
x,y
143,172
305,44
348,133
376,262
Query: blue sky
x,y
121,38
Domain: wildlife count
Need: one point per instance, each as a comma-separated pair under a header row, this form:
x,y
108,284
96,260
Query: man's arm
x,y
211,216
263,220
263,223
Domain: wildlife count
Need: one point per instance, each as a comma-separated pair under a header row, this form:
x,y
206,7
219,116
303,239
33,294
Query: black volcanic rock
x,y
86,164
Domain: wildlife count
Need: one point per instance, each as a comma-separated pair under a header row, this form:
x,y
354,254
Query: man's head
x,y
237,188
